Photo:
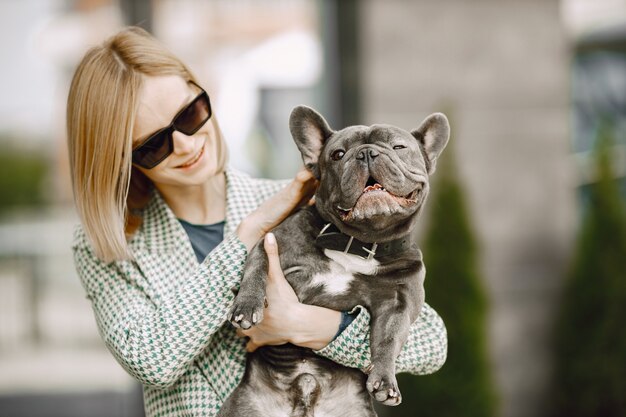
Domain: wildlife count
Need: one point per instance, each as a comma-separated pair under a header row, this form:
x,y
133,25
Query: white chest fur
x,y
343,266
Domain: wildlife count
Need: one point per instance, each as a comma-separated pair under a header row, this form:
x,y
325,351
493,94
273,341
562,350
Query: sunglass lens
x,y
194,116
154,150
160,145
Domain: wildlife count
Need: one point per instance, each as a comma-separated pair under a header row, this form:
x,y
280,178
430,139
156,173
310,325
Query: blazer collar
x,y
163,232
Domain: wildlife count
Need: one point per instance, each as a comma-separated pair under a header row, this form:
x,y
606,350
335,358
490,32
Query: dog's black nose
x,y
368,152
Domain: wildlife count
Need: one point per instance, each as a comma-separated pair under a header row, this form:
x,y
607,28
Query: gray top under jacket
x,y
204,237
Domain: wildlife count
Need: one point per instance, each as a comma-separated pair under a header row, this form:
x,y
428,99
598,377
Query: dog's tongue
x,y
376,186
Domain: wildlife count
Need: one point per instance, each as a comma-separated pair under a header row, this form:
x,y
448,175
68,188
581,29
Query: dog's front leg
x,y
389,331
247,310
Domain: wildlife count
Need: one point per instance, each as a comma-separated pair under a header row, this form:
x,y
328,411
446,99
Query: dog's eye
x,y
337,155
396,147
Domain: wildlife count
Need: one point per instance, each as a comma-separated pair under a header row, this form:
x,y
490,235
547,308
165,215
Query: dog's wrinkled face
x,y
373,180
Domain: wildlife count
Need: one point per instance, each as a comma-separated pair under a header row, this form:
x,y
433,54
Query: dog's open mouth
x,y
375,200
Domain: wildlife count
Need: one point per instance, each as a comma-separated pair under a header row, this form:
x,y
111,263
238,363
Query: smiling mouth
x,y
194,160
376,200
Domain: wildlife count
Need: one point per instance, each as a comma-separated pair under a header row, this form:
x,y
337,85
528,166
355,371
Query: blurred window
x,y
599,102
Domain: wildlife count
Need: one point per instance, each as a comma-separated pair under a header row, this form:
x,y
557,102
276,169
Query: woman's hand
x,y
285,319
277,208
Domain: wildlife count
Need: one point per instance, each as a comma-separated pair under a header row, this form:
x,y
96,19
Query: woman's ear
x,y
310,131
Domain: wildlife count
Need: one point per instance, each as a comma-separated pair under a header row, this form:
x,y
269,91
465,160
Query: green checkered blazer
x,y
163,315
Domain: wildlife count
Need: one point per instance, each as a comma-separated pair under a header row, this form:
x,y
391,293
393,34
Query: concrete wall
x,y
500,68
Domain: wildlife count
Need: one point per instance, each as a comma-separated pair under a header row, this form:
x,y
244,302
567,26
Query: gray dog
x,y
352,247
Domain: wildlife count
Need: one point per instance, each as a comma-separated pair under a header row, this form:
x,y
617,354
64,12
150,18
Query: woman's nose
x,y
183,144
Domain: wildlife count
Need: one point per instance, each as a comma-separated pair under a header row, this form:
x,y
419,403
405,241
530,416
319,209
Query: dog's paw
x,y
384,388
247,311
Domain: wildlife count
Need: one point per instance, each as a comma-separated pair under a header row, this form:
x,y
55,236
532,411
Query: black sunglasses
x,y
160,144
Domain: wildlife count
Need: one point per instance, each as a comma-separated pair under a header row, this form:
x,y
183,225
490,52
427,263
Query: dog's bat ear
x,y
310,131
433,135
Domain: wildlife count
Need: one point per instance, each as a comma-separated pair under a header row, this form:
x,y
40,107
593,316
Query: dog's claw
x,y
246,312
384,389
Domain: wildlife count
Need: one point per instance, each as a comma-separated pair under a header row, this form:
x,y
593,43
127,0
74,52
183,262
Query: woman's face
x,y
195,158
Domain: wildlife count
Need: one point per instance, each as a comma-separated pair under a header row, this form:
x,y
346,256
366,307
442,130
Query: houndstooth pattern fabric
x,y
163,315
423,353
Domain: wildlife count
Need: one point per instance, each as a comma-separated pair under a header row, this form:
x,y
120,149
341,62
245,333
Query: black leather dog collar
x,y
331,238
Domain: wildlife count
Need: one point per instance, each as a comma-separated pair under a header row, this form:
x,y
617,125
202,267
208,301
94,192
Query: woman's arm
x,y
424,352
157,343
276,208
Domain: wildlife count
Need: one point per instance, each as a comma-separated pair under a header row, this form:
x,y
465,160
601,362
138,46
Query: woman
x,y
166,228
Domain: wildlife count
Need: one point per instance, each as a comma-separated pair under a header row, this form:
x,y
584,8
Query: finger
x,y
240,332
301,182
251,346
301,192
304,175
271,248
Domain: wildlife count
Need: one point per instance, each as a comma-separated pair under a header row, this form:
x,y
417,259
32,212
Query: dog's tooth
x,y
254,317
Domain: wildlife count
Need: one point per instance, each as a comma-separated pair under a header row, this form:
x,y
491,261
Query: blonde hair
x,y
108,191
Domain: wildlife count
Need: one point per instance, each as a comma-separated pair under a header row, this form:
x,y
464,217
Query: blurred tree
x,y
22,177
463,387
590,341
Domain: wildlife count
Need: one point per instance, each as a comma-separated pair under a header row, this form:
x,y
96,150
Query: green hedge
x,y
22,178
590,334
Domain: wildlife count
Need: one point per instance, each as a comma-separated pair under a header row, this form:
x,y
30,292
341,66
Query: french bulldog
x,y
351,248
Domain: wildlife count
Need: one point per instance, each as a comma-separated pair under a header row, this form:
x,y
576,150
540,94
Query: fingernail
x,y
270,239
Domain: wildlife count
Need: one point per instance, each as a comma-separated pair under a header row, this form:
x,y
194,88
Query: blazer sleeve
x,y
156,344
424,352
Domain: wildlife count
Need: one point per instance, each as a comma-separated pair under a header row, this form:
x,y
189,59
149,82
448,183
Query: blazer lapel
x,y
163,250
166,253
240,199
